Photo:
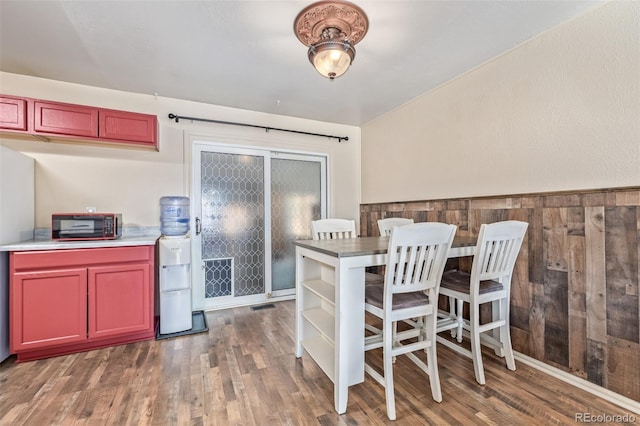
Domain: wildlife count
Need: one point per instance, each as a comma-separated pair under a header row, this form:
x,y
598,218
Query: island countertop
x,y
361,246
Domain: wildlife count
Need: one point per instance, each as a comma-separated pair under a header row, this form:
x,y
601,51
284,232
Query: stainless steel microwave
x,y
86,226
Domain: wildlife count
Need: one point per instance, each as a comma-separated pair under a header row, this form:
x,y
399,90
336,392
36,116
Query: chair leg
x,y
460,320
432,359
498,313
395,338
476,352
505,336
388,371
452,313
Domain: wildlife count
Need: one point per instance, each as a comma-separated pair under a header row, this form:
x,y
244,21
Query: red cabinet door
x,y
120,299
129,127
65,119
13,113
48,308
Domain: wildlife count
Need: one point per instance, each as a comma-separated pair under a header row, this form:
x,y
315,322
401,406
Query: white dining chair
x,y
386,225
329,229
416,258
489,281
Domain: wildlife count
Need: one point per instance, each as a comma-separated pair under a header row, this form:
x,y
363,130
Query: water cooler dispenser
x,y
174,271
174,255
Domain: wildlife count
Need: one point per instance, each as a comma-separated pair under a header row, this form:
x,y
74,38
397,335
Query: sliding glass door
x,y
250,206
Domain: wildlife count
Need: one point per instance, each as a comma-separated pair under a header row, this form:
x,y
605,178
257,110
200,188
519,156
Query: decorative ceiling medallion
x,y
315,18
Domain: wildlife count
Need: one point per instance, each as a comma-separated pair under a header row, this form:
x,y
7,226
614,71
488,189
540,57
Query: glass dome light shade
x,y
331,58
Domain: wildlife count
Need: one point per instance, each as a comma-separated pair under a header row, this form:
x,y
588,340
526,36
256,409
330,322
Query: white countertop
x,y
48,244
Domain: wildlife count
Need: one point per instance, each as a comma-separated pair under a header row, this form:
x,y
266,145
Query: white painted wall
x,y
72,176
560,112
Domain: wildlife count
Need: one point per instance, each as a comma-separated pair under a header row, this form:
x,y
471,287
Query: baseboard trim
x,y
599,391
235,304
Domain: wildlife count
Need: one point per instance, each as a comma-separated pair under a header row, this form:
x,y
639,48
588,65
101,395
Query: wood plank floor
x,y
244,372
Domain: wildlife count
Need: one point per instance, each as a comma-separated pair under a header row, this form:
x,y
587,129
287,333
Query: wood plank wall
x,y
575,300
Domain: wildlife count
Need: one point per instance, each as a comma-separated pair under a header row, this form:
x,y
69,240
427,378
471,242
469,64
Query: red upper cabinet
x,y
57,120
65,119
128,126
13,113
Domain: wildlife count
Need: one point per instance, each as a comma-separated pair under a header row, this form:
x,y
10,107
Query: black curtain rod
x,y
178,117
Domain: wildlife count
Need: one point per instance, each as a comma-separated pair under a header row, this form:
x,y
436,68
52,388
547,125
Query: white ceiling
x,y
244,54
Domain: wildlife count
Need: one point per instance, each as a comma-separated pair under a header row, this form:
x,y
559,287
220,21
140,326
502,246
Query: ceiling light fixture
x,y
331,29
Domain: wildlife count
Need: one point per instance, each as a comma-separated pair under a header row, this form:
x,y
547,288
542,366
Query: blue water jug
x,y
174,216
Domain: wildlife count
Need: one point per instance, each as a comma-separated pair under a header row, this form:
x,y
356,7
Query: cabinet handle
x,y
198,226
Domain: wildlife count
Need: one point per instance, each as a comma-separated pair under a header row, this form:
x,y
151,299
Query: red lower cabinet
x,y
65,301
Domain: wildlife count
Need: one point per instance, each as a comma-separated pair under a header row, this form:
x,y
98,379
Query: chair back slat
x,y
416,257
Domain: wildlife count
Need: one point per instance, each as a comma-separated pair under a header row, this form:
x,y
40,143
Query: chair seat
x,y
374,295
371,278
459,281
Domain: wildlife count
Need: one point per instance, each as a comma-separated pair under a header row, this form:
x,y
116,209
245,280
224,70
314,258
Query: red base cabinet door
x,y
49,308
119,300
